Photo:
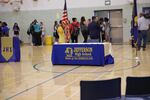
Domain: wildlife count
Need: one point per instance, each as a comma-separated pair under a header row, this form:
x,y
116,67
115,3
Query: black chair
x,y
138,86
97,90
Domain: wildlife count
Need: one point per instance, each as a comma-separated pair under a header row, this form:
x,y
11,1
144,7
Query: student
x,y
89,21
102,27
94,30
107,29
55,34
43,31
37,33
60,31
16,29
5,29
84,29
75,29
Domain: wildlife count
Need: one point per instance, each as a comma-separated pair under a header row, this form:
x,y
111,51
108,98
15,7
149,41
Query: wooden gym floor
x,y
35,78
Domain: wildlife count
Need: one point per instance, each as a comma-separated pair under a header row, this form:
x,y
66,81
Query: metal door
x,y
116,26
115,17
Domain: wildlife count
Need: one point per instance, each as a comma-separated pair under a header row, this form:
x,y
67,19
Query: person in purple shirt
x,y
5,29
94,30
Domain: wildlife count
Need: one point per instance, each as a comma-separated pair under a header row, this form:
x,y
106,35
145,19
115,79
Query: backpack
x,y
75,30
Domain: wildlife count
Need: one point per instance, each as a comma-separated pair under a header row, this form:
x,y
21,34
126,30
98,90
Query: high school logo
x,y
69,52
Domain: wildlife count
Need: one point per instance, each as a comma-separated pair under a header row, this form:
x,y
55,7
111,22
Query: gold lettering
x,y
83,49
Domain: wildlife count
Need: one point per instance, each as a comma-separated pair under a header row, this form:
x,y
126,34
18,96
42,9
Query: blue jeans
x,y
142,36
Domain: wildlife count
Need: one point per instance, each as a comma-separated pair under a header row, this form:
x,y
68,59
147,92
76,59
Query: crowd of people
x,y
98,29
37,31
4,29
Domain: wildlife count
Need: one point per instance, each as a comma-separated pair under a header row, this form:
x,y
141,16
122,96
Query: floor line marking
x,y
66,85
137,64
41,83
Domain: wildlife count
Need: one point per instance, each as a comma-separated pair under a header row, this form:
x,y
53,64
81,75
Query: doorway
x,y
115,17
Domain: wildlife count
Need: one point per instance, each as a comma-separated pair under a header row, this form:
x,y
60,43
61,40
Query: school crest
x,y
69,52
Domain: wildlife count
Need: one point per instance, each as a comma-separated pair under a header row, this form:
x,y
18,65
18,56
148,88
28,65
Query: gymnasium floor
x,y
35,78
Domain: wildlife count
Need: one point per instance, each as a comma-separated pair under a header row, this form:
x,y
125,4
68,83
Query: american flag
x,y
65,14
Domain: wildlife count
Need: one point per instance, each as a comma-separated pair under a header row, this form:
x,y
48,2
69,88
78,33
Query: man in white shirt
x,y
143,26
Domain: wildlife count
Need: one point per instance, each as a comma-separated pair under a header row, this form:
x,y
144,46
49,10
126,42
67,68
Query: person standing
x,y
55,34
30,32
89,21
75,30
107,29
5,29
132,35
43,32
143,26
37,33
0,29
60,31
84,28
16,29
101,23
94,30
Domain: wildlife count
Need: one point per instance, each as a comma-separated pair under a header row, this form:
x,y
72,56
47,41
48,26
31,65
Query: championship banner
x,y
7,47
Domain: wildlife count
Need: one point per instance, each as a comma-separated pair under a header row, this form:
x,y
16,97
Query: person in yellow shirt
x,y
60,31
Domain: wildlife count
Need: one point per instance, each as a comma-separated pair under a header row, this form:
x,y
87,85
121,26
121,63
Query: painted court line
x,y
137,64
65,86
41,83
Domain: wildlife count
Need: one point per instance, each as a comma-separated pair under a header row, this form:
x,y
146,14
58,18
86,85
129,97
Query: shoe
x,y
144,49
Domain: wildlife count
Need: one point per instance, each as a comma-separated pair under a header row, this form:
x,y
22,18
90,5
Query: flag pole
x,y
136,21
135,28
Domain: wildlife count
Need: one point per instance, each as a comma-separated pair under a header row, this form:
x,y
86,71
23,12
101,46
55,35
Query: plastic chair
x,y
103,89
137,86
